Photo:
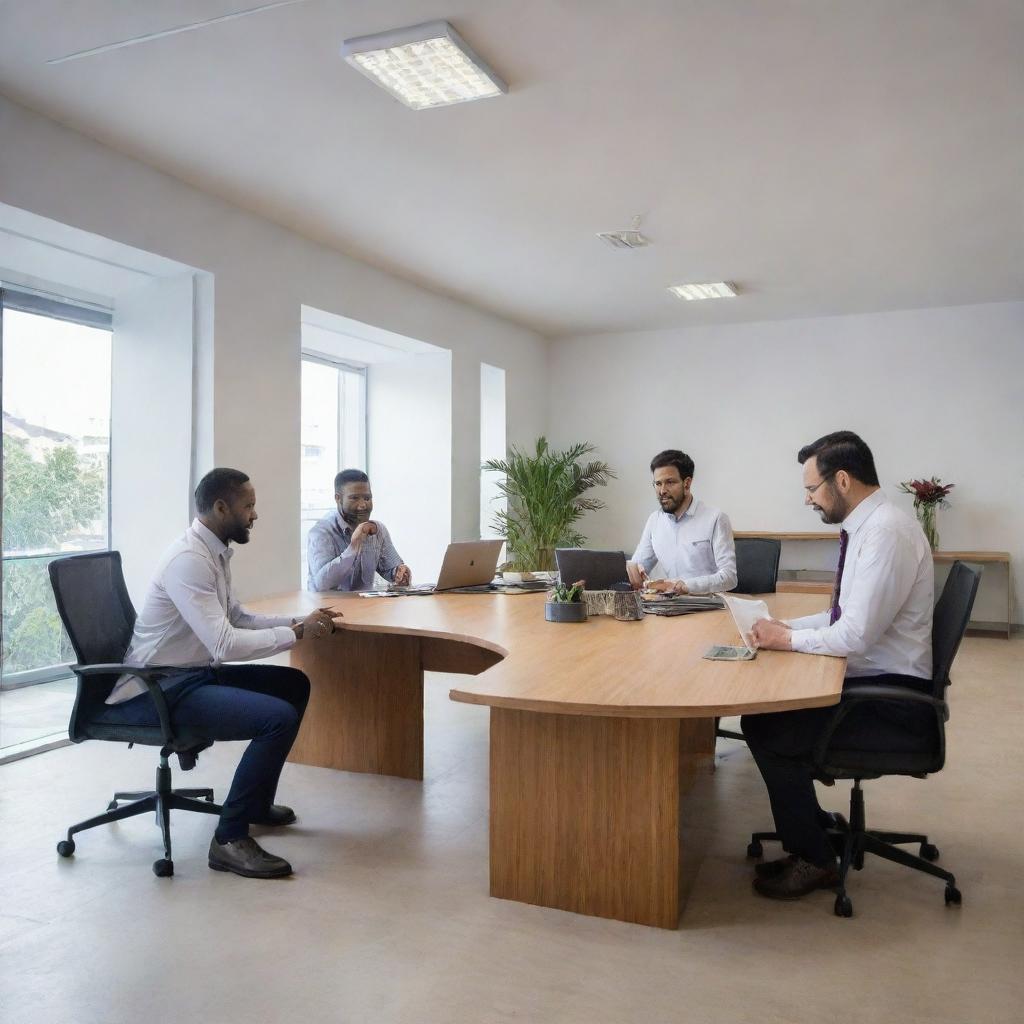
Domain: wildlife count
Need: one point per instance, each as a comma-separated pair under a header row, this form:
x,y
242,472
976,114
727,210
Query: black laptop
x,y
599,570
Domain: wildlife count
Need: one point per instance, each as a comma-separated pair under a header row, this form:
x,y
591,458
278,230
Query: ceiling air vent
x,y
628,239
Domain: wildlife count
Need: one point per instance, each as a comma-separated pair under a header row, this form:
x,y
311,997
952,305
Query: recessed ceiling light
x,y
714,290
427,65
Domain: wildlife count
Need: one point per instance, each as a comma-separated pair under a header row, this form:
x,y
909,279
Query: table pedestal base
x,y
585,811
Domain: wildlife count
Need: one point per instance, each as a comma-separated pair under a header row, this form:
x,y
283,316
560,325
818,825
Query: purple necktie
x,y
835,612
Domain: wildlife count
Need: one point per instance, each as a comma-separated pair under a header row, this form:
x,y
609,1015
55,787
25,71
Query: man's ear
x,y
843,480
220,507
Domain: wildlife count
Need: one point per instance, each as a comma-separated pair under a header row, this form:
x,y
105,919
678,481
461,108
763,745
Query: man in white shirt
x,y
692,541
880,620
345,549
190,618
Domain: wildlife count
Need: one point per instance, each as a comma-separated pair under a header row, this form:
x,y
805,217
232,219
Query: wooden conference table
x,y
598,729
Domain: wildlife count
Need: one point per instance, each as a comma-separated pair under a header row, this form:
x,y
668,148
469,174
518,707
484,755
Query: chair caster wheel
x,y
929,852
843,907
66,847
163,868
755,850
953,895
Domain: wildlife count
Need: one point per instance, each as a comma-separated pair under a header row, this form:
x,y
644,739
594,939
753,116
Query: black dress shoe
x,y
773,868
798,879
277,815
247,858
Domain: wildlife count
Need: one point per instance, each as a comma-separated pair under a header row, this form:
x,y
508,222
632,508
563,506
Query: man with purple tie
x,y
880,620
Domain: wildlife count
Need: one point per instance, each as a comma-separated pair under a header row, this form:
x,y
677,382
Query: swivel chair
x,y
831,762
97,613
757,572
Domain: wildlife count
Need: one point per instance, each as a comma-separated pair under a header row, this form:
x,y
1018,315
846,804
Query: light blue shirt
x,y
696,548
335,565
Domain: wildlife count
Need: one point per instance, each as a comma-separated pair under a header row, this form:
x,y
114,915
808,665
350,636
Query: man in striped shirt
x,y
346,548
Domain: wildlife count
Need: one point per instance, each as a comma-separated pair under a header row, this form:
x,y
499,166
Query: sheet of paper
x,y
745,612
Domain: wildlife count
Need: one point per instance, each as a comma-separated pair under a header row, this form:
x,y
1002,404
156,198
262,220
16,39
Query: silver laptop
x,y
469,563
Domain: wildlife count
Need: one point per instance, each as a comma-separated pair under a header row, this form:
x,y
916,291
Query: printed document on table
x,y
745,612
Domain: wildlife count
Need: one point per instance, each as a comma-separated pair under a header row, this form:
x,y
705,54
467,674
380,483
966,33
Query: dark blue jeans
x,y
262,703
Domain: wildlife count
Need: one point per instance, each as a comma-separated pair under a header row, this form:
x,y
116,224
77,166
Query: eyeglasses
x,y
810,490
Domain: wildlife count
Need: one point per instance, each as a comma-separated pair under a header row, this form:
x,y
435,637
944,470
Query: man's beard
x,y
356,518
839,511
239,534
672,504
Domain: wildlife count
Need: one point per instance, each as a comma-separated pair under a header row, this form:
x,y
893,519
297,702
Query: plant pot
x,y
926,517
565,611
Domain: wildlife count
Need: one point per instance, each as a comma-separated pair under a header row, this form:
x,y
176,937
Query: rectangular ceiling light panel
x,y
428,65
714,290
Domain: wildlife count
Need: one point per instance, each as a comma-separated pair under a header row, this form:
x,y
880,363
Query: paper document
x,y
745,612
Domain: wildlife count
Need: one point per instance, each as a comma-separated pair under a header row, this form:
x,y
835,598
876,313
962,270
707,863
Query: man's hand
x,y
637,575
667,586
771,635
403,576
361,532
317,624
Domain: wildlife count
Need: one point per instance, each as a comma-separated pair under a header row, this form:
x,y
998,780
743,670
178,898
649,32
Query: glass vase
x,y
926,517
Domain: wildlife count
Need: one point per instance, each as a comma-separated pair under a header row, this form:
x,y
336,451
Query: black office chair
x,y
757,565
97,613
757,572
852,841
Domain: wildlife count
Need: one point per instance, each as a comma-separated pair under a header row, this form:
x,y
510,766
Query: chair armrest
x,y
867,693
149,674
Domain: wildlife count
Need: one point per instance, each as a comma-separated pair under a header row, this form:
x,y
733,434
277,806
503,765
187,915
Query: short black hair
x,y
673,457
218,484
349,476
842,450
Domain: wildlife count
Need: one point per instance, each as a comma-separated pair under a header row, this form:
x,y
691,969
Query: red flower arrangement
x,y
927,492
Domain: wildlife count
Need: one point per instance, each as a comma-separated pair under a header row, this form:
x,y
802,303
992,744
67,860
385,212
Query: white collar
x,y
860,515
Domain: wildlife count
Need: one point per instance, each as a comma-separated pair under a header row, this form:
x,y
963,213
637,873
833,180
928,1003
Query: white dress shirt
x,y
696,547
190,618
887,595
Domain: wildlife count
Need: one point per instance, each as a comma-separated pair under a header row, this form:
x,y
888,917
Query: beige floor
x,y
388,917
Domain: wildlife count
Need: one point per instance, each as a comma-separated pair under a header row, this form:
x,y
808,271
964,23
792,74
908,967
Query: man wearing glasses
x,y
880,620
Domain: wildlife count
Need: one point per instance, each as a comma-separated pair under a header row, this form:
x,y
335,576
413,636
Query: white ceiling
x,y
828,156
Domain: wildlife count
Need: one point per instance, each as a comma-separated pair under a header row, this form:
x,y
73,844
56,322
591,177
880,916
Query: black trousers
x,y
782,745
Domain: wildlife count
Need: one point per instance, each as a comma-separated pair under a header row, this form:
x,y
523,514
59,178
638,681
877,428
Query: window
x,y
56,467
333,434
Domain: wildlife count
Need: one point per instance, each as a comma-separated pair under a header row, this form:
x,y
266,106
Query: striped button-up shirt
x,y
335,565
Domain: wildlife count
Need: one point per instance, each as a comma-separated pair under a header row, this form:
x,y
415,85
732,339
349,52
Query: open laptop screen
x,y
598,569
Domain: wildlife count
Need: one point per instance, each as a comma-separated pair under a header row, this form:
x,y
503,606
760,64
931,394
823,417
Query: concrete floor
x,y
388,917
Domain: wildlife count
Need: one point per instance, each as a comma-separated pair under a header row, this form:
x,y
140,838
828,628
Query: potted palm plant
x,y
546,494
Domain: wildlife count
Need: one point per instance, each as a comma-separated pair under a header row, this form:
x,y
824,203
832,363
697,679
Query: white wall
x,y
409,438
262,276
937,391
150,423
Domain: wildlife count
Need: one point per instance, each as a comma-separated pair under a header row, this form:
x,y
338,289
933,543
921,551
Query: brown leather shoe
x,y
774,868
247,858
800,878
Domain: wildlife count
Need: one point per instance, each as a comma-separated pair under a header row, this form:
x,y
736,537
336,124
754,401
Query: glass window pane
x,y
332,437
56,459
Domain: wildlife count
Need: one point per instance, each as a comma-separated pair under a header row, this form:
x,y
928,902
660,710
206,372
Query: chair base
x,y
852,843
161,801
